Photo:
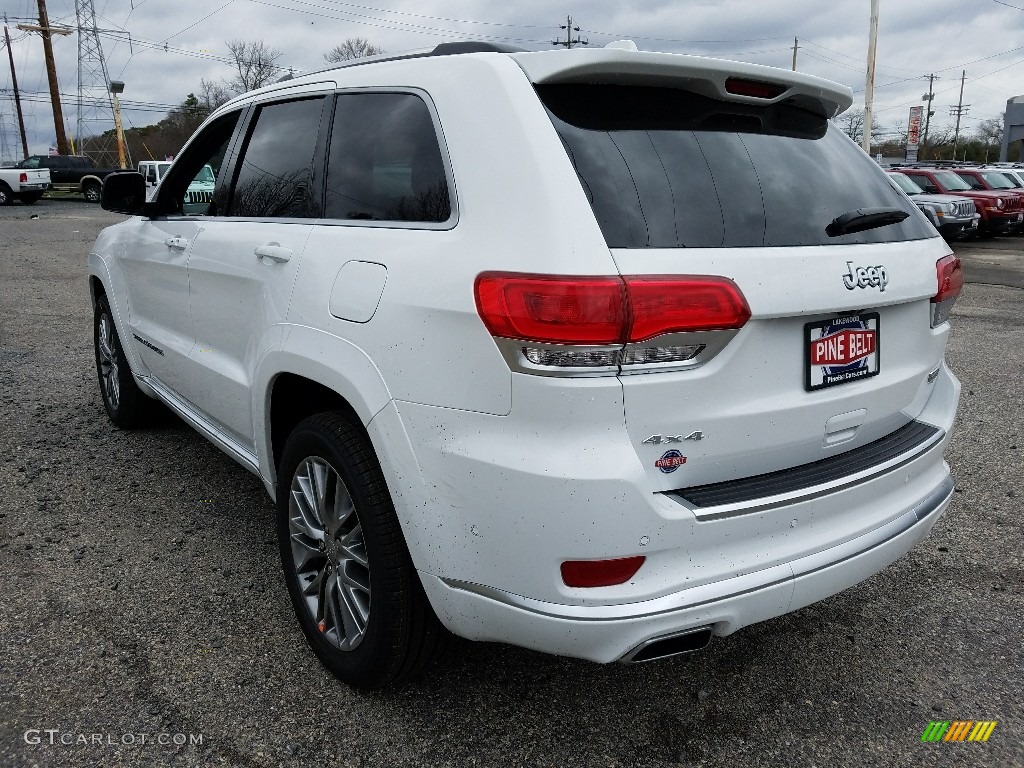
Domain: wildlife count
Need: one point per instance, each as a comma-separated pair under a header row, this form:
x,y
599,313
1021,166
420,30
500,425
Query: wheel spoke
x,y
353,547
355,611
304,519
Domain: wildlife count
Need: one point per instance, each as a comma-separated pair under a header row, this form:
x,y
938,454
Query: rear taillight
x,y
22,178
678,304
600,573
590,323
950,276
557,310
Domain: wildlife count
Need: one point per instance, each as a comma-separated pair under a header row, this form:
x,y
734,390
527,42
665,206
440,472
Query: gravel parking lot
x,y
143,602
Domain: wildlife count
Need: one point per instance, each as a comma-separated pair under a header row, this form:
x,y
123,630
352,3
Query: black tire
x,y
400,633
5,194
31,198
127,406
93,192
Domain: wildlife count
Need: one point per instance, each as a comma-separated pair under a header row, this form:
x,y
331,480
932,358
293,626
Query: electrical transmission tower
x,y
95,104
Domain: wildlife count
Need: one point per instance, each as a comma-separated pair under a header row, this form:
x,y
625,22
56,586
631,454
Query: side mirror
x,y
124,193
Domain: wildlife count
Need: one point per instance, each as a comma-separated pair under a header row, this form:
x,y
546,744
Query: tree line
x,y
980,144
254,64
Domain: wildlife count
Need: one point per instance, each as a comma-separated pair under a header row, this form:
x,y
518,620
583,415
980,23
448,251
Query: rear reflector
x,y
606,310
23,178
950,276
600,573
755,88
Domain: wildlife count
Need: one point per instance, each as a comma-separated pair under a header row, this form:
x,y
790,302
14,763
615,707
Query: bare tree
x,y
852,124
352,48
212,95
991,131
255,64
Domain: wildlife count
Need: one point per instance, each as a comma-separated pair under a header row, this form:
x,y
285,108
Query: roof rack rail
x,y
442,49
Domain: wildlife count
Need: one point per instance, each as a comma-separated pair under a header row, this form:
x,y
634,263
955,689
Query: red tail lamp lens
x,y
755,88
564,309
950,275
553,309
673,304
600,573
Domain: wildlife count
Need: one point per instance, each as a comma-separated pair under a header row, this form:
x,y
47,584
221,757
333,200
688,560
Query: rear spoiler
x,y
714,78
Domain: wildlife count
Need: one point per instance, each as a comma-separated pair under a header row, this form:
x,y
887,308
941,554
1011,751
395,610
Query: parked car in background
x,y
24,184
595,352
153,171
1015,175
954,217
1001,213
200,190
71,173
982,178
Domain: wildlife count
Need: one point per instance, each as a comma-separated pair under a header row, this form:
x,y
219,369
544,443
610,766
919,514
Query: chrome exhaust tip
x,y
687,641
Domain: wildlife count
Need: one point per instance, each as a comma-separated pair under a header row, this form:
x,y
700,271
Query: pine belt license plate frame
x,y
849,334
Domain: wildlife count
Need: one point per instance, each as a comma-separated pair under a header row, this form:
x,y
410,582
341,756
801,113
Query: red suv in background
x,y
1001,212
997,181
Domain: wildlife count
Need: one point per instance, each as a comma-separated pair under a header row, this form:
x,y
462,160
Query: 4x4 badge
x,y
659,439
865,277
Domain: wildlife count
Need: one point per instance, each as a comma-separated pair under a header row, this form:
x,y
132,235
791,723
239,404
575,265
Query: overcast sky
x,y
916,37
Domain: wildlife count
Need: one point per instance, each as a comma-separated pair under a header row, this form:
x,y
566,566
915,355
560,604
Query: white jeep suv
x,y
596,352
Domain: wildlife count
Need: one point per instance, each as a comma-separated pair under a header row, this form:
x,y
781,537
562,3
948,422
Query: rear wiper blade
x,y
864,218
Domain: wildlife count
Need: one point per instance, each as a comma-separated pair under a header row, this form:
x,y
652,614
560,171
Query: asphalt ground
x,y
141,599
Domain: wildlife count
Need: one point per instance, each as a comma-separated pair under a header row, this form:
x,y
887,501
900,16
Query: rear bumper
x,y
605,633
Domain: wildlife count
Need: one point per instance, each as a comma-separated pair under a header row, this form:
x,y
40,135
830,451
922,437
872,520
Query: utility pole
x,y
47,32
17,97
869,89
569,29
928,112
959,110
796,46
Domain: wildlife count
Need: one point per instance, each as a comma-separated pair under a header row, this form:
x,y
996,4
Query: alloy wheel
x,y
329,553
108,362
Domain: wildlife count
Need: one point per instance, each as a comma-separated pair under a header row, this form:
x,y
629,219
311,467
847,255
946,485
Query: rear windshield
x,y
666,168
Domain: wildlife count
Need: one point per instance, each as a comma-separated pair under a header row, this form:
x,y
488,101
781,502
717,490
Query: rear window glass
x,y
665,168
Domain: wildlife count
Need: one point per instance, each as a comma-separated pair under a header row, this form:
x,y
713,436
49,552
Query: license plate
x,y
840,349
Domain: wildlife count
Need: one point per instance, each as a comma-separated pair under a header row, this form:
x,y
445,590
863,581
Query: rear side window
x,y
665,168
385,161
275,174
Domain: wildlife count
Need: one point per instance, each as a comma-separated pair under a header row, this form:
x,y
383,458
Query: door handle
x,y
274,252
177,243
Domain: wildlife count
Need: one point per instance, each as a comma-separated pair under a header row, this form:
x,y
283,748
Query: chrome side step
x,y
195,419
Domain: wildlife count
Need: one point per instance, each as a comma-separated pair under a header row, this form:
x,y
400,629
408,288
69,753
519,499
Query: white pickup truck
x,y
25,184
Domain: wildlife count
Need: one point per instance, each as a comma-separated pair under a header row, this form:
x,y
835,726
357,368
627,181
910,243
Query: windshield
x,y
950,180
667,168
1014,179
205,176
996,180
905,183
